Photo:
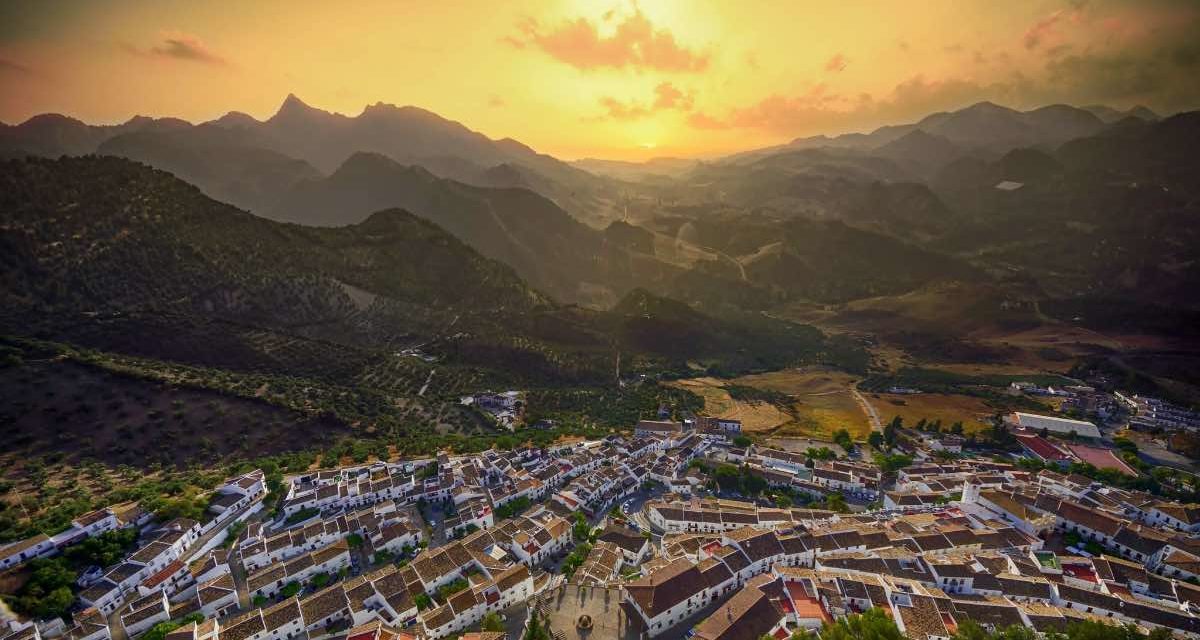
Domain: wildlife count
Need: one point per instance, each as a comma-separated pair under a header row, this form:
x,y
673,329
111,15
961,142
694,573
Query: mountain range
x,y
118,256
821,219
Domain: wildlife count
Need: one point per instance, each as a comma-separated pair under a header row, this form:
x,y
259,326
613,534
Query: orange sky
x,y
578,78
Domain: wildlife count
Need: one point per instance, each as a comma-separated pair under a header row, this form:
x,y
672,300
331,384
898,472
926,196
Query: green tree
x,y
836,502
160,630
728,477
892,430
873,624
536,629
875,440
741,441
290,589
893,462
47,593
581,530
423,601
492,622
841,438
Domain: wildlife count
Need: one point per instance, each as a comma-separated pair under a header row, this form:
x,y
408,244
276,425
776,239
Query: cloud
x,y
837,63
181,46
1047,29
1166,78
634,43
1041,30
667,97
11,66
1058,50
700,120
820,110
495,101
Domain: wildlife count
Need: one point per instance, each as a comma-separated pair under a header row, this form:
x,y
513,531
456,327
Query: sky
x,y
575,78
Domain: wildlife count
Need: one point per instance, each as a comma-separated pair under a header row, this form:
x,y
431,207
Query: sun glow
x,y
598,78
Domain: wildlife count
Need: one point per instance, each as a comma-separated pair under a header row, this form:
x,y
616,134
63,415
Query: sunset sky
x,y
604,79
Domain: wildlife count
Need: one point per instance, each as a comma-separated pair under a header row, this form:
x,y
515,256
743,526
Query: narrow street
x,y
239,582
117,630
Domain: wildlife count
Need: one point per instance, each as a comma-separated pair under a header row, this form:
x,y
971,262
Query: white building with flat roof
x,y
1052,424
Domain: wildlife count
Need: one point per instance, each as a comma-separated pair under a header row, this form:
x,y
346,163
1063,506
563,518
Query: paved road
x,y
514,621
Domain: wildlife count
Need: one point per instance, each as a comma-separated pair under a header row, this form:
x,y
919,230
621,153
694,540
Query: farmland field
x,y
973,412
755,416
811,402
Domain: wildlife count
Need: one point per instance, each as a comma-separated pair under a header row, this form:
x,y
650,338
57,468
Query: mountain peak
x,y
368,163
292,101
51,119
295,108
236,119
138,121
387,219
986,105
1143,112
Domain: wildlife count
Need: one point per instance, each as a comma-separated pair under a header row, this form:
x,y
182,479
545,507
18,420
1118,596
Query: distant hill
x,y
1110,115
1111,217
118,256
926,152
545,244
982,128
229,165
252,163
115,235
51,135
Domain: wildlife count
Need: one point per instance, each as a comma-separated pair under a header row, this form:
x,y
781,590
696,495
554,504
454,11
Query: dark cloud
x,y
181,46
1186,56
1166,79
636,43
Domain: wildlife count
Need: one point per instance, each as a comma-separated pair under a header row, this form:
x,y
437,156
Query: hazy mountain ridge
x,y
201,153
924,190
983,128
100,248
548,247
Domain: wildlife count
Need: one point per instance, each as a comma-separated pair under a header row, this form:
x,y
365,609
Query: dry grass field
x,y
755,416
818,402
949,408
